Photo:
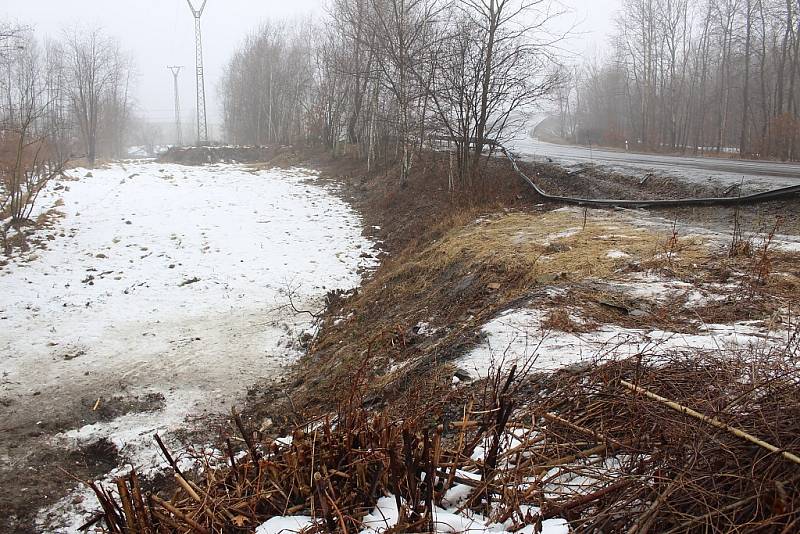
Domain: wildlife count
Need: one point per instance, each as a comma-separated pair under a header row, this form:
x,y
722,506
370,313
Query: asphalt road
x,y
754,174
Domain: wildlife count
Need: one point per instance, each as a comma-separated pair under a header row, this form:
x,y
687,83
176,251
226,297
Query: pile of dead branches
x,y
334,469
694,442
656,443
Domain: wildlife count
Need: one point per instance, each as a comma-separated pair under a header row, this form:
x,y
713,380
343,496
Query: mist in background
x,y
158,33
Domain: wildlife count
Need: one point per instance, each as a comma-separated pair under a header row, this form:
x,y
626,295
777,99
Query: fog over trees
x,y
72,92
693,77
60,100
380,78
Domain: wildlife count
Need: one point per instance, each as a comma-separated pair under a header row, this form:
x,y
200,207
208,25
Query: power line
x,y
202,127
176,69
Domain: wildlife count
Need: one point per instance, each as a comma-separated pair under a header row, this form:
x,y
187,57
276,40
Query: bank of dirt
x,y
455,263
454,260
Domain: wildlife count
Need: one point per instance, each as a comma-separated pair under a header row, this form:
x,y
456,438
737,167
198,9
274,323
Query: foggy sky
x,y
161,32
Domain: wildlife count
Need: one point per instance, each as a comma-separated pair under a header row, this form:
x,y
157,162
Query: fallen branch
x,y
557,510
712,421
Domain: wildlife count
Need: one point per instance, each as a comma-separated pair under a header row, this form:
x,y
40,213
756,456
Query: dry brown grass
x,y
608,448
470,266
560,320
461,273
454,262
555,245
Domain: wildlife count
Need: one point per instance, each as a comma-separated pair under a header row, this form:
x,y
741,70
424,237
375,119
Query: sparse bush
x,y
26,166
762,264
28,154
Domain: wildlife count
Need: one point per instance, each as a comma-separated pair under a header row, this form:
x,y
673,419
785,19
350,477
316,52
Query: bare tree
x,y
377,77
28,160
716,75
403,26
518,65
98,79
267,85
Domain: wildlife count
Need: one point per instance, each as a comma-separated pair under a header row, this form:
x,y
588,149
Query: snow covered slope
x,y
167,280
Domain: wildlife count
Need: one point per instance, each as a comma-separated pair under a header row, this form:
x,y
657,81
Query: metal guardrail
x,y
766,196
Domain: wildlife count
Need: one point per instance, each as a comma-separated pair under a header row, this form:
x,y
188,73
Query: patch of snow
x,y
285,441
701,297
650,287
285,524
617,255
424,328
784,245
385,516
569,232
519,337
555,525
169,279
457,494
112,289
554,291
564,483
569,209
395,366
138,152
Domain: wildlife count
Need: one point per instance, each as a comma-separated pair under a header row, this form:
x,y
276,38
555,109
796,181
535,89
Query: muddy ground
x,y
34,471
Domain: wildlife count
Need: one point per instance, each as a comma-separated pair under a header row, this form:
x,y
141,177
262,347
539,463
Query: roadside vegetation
x,y
380,80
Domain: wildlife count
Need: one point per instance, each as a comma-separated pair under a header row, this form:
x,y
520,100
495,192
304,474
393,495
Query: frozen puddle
x,y
169,280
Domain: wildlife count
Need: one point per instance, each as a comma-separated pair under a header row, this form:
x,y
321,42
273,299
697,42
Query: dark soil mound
x,y
203,155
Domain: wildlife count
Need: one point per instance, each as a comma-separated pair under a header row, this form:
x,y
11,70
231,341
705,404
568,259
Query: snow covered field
x,y
170,281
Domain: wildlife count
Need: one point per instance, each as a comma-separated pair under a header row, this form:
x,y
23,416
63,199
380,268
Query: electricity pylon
x,y
176,69
202,127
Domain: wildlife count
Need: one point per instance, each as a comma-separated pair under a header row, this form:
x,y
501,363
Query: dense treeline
x,y
380,78
709,76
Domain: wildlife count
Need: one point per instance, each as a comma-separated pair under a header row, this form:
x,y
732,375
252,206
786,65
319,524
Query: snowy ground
x,y
167,280
450,517
752,175
519,337
385,516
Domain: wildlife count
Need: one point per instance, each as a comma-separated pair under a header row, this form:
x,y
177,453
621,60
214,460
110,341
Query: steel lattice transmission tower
x,y
176,69
202,127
